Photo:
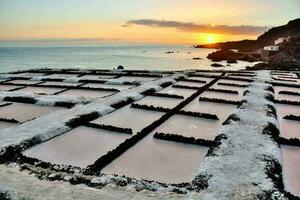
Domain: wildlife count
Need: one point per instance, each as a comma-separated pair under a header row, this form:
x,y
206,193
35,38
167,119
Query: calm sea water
x,y
149,57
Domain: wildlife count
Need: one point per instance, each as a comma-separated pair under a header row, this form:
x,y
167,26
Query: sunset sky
x,y
142,21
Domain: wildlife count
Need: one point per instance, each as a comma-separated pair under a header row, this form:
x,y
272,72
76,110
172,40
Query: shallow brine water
x,y
288,128
60,83
23,112
291,172
190,127
160,101
97,77
159,160
128,117
234,81
86,93
220,109
8,87
81,146
137,78
221,95
6,124
201,79
41,90
178,91
284,109
27,82
58,75
240,90
102,85
192,84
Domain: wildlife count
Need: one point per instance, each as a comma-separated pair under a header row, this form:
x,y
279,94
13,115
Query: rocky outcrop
x,y
232,56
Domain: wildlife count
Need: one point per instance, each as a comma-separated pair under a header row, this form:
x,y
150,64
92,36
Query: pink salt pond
x,y
23,112
128,117
25,82
97,76
288,128
86,93
221,95
178,91
60,83
32,74
286,96
41,90
102,85
234,81
160,101
81,146
159,160
137,78
190,127
291,172
240,90
191,84
201,79
4,124
60,75
220,109
284,109
8,87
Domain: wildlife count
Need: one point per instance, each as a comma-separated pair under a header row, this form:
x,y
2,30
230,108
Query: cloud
x,y
200,28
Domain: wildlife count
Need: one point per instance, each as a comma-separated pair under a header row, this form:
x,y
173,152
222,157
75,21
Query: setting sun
x,y
210,39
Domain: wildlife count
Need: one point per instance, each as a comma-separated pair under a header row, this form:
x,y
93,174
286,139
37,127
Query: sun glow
x,y
210,39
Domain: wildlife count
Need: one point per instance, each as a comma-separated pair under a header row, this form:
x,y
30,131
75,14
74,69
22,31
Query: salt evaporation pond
x,y
58,75
291,172
8,87
4,124
137,78
233,81
32,74
128,117
23,112
220,109
178,91
288,128
160,101
81,146
201,79
191,84
102,85
159,160
240,90
288,97
98,76
188,126
41,90
59,83
284,109
27,82
86,93
284,88
221,95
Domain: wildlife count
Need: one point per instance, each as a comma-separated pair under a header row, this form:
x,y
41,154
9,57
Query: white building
x,y
271,48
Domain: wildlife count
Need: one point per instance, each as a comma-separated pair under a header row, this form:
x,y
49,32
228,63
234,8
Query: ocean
x,y
107,56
